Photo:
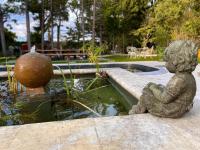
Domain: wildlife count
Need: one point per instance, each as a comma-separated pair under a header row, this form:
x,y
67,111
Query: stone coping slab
x,y
4,74
140,132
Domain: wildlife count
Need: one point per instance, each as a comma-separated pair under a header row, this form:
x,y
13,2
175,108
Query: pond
x,y
100,96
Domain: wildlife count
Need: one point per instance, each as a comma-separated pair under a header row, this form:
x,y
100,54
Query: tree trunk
x,y
28,26
123,41
83,22
52,24
3,41
78,34
78,28
113,44
58,33
101,35
42,27
94,21
49,35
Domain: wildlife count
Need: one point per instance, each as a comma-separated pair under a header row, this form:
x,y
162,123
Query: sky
x,y
20,27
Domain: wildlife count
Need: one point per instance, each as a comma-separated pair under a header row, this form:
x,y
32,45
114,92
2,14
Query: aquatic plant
x,y
94,53
13,85
93,81
73,94
9,69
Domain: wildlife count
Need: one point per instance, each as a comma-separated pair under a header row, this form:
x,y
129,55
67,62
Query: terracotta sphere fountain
x,y
34,71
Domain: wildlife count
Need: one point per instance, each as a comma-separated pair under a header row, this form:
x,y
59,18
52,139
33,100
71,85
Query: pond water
x,y
54,105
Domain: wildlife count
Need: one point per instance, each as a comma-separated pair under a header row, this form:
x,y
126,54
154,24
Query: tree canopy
x,y
116,23
171,20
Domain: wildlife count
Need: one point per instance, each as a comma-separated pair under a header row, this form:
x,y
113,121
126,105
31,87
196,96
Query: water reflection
x,y
54,105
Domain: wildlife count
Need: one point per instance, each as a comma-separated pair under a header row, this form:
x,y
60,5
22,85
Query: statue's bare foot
x,y
136,109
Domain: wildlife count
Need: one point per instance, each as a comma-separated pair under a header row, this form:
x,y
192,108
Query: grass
x,y
65,61
123,58
9,60
12,60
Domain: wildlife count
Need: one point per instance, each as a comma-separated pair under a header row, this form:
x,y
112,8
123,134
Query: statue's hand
x,y
150,84
153,86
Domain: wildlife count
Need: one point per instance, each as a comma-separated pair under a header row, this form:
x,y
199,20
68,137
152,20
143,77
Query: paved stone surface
x,y
135,82
140,132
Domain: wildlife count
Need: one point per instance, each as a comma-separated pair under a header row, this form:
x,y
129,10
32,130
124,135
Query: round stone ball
x,y
33,70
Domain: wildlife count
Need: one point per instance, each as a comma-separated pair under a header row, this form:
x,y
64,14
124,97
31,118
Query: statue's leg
x,y
144,101
171,110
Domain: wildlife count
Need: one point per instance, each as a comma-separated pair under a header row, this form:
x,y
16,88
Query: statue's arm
x,y
167,94
162,95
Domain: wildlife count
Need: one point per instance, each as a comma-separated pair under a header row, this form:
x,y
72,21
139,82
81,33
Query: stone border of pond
x,y
89,67
115,71
141,131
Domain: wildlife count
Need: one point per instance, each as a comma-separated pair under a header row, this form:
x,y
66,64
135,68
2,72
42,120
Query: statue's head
x,y
181,56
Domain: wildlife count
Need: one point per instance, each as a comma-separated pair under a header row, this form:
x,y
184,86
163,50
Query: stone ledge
x,y
116,133
112,133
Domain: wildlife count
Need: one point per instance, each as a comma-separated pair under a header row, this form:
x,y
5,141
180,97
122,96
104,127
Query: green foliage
x,y
120,58
161,36
35,37
192,27
10,38
121,23
94,52
4,59
67,88
171,20
120,18
160,51
5,10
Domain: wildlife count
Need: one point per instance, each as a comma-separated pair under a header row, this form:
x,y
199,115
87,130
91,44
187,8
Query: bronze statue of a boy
x,y
176,98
